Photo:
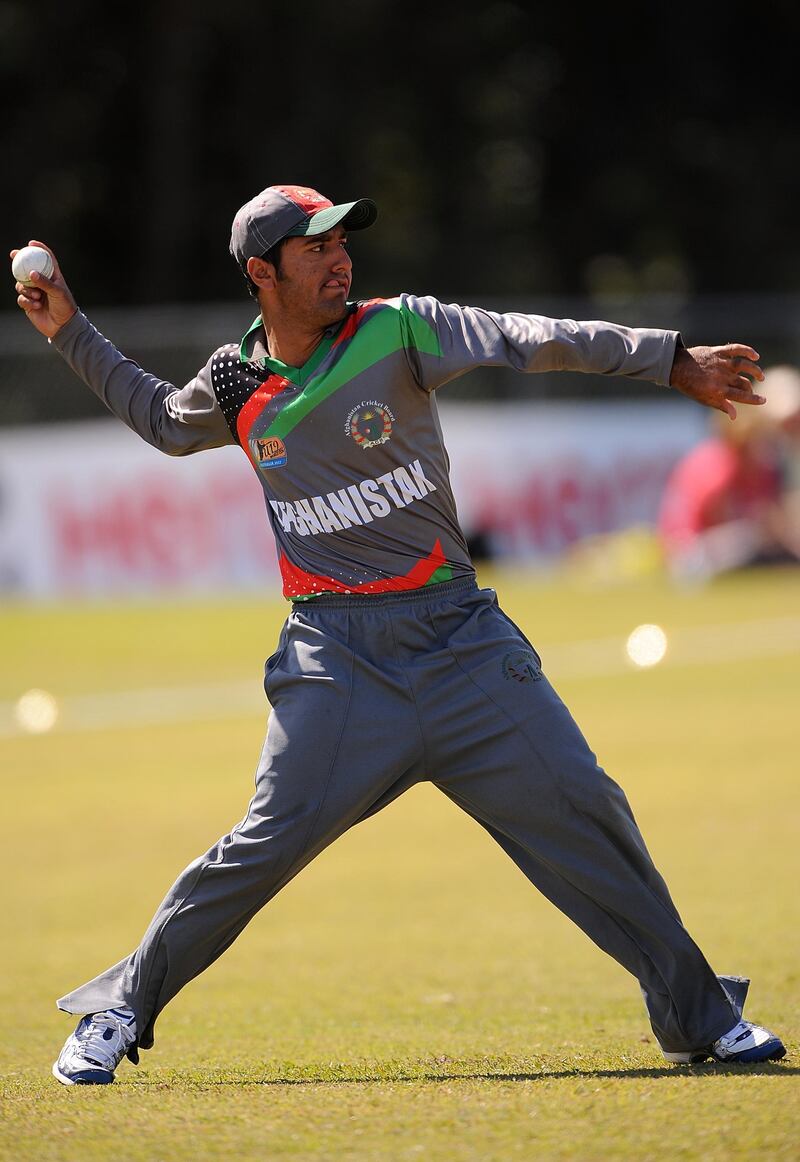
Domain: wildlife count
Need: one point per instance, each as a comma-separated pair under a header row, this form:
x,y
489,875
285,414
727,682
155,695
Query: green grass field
x,y
408,996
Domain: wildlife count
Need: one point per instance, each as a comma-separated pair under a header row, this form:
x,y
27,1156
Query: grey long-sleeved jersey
x,y
348,448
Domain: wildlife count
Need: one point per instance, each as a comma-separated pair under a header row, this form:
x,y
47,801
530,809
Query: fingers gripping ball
x,y
27,260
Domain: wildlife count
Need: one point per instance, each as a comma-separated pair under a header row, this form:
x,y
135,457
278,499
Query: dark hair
x,y
273,256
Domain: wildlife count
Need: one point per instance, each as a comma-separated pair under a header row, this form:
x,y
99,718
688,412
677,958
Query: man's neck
x,y
292,345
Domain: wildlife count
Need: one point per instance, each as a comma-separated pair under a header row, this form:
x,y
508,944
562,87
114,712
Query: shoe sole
x,y
774,1052
686,1058
87,1077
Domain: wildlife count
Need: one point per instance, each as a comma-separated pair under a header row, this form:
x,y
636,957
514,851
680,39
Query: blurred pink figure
x,y
734,499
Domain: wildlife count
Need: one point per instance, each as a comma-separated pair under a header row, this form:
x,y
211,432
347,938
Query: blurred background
x,y
634,164
639,163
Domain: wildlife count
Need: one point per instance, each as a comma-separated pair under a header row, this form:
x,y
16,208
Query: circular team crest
x,y
370,424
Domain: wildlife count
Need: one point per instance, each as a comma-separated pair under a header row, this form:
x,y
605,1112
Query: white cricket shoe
x,y
92,1053
748,1043
744,1044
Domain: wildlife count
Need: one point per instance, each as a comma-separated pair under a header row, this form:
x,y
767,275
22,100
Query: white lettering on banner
x,y
336,510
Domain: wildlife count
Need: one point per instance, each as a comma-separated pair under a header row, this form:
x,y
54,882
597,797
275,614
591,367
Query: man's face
x,y
314,278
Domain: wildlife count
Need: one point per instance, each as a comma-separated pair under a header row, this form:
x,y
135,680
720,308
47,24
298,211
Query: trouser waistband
x,y
404,597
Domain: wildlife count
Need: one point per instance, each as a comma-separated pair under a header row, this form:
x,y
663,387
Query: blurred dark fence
x,y
174,342
512,147
633,162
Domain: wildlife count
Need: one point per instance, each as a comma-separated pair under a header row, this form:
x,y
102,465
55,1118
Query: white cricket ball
x,y
27,260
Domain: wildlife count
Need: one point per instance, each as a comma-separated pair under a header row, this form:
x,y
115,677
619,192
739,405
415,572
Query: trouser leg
x,y
677,983
523,769
312,784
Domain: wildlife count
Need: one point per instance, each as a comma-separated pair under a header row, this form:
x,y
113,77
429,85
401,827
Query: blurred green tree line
x,y
515,149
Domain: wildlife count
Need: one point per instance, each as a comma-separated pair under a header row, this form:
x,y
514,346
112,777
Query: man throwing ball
x,y
333,401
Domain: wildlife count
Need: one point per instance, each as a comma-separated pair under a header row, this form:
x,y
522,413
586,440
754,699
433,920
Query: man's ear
x,y
262,273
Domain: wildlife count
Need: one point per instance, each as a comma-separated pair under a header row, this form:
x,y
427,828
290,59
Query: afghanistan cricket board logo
x,y
268,451
369,423
522,666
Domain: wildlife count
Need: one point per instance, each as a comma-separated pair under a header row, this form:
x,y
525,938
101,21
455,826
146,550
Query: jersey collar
x,y
253,347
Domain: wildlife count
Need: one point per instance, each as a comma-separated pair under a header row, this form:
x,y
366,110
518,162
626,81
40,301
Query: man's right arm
x,y
174,421
177,422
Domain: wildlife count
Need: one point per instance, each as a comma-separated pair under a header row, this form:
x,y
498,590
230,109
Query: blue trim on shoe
x,y
772,1050
84,1076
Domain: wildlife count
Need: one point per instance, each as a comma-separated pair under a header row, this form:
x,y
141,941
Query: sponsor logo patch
x,y
268,451
369,423
521,666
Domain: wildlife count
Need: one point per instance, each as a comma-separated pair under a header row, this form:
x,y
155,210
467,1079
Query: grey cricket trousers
x,y
373,694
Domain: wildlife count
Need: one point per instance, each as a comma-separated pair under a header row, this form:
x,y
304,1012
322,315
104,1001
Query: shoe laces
x,y
104,1039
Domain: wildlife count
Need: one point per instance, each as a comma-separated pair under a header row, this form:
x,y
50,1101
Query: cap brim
x,y
353,215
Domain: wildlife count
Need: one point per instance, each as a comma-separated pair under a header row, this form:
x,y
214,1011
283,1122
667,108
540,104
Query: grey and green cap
x,y
286,211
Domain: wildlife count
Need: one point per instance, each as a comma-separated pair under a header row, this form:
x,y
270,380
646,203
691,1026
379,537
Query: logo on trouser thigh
x,y
522,666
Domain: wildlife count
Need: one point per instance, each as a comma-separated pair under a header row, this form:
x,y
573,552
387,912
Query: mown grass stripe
x,y
565,661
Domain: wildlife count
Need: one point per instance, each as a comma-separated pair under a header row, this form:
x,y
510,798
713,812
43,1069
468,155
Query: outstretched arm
x,y
174,421
446,340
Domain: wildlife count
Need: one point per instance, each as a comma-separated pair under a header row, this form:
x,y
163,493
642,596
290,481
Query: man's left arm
x,y
449,340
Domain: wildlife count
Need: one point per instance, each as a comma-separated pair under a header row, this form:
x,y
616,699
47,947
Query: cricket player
x,y
333,401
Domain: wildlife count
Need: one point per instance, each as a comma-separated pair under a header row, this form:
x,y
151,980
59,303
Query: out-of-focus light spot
x,y
36,712
646,645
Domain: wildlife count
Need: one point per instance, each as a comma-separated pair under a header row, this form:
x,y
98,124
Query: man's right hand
x,y
48,303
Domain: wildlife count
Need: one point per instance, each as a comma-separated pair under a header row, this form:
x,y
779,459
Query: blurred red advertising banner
x,y
90,510
534,479
161,536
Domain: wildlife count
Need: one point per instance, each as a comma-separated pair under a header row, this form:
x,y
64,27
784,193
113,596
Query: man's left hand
x,y
718,377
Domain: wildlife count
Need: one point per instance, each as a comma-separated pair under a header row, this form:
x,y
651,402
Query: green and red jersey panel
x,y
348,448
349,456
